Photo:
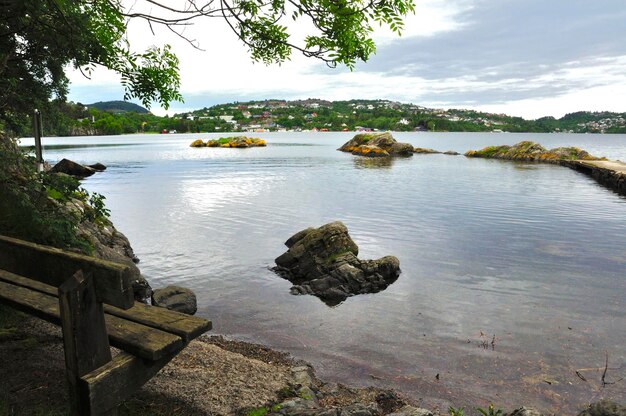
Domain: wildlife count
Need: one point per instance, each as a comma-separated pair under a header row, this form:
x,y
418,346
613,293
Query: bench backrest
x,y
54,266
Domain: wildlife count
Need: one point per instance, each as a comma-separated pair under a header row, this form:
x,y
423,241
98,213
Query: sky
x,y
529,58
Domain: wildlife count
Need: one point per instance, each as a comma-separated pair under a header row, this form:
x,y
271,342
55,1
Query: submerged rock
x,y
175,298
323,262
98,167
532,152
376,145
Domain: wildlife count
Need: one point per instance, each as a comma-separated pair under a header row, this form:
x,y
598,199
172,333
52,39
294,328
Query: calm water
x,y
534,255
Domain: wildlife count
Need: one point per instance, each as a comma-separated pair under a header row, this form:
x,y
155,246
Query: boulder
x,y
175,298
604,408
323,262
72,168
376,145
451,153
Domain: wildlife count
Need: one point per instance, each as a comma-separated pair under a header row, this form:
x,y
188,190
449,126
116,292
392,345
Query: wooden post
x,y
84,337
37,132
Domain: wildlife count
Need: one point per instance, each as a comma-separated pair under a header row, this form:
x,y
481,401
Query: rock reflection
x,y
373,163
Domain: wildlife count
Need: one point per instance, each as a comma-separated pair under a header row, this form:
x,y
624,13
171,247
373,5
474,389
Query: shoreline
x,y
213,375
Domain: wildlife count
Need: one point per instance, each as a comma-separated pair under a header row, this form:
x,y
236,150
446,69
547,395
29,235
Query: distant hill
x,y
119,107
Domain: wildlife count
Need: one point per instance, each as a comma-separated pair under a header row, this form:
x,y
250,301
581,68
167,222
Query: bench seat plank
x,y
185,326
137,339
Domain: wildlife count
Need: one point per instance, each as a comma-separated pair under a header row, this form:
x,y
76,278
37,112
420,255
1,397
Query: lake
x,y
513,274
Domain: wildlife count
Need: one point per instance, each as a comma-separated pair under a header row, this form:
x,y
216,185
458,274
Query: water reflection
x,y
362,162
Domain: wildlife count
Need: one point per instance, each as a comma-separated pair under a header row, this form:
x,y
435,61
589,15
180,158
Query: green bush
x,y
33,205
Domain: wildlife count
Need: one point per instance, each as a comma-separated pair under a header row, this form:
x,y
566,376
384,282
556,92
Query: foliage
x,y
118,107
490,411
39,38
259,411
76,119
456,412
33,205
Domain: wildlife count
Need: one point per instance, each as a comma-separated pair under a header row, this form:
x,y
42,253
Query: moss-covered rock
x,y
236,142
532,152
323,262
376,145
197,143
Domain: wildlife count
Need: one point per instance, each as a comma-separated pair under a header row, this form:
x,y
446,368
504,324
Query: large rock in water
x,y
323,262
376,145
175,298
72,168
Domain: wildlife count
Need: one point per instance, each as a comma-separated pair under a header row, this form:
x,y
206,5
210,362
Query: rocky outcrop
x,y
239,142
323,262
110,244
376,145
528,151
611,174
175,298
74,169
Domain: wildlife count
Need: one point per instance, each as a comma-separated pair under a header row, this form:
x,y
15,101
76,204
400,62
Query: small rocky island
x,y
323,262
376,145
528,151
239,142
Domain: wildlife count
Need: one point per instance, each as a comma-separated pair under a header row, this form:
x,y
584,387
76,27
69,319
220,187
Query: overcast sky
x,y
522,57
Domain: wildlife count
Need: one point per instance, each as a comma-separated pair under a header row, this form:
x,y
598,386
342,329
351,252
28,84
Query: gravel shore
x,y
211,376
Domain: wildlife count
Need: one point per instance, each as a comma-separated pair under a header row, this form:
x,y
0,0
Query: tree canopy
x,y
40,38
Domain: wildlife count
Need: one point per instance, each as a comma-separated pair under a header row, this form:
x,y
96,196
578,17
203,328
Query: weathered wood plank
x,y
141,340
185,326
117,380
137,339
53,266
85,339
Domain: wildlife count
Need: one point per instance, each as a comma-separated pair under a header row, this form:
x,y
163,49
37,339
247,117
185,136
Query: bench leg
x,y
84,337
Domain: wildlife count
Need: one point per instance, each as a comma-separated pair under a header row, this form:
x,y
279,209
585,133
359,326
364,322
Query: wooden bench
x,y
92,300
